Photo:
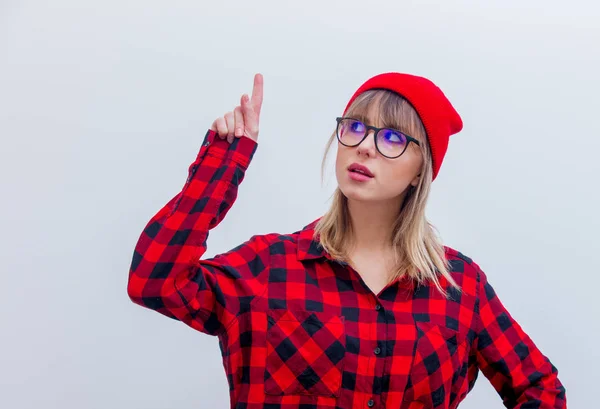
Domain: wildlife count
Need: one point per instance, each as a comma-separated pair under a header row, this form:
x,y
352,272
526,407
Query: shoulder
x,y
278,241
276,238
301,243
465,270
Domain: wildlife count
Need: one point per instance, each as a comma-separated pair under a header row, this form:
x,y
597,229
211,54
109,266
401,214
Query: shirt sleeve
x,y
167,274
506,355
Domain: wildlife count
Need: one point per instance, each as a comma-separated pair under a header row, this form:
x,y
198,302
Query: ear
x,y
416,180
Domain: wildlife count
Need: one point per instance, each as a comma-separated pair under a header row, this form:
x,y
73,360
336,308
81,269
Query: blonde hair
x,y
419,252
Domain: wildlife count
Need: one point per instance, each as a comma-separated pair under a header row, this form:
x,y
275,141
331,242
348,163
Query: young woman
x,y
361,308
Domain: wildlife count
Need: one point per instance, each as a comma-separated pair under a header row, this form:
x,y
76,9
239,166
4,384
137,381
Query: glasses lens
x,y
391,143
351,131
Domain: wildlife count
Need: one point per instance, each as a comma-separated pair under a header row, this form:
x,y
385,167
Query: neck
x,y
372,224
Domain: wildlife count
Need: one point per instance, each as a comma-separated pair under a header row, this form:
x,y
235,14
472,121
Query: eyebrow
x,y
360,117
363,118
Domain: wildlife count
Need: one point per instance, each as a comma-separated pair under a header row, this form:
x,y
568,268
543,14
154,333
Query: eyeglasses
x,y
391,143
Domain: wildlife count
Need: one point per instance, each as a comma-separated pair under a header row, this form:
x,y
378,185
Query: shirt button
x,y
377,307
377,351
371,403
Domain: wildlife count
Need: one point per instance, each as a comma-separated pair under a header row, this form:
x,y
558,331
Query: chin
x,y
360,194
356,193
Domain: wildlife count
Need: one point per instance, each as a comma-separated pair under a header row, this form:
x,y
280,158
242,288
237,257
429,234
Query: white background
x,y
103,106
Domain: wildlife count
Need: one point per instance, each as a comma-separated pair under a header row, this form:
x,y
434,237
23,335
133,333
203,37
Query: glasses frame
x,y
376,131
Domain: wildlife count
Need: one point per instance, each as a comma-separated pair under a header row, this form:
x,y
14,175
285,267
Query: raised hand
x,y
244,119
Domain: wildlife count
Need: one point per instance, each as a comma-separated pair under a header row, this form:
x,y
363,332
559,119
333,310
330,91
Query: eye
x,y
357,126
393,137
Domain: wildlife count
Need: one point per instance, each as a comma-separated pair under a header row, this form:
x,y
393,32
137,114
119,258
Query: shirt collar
x,y
309,247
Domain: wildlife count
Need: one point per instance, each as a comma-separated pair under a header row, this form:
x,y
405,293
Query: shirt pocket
x,y
305,353
439,364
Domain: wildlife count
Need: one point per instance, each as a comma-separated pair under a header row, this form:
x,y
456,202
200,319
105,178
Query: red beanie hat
x,y
437,114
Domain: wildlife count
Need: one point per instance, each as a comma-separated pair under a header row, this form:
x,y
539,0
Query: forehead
x,y
372,112
373,116
387,110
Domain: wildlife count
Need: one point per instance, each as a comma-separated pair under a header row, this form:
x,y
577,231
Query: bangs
x,y
386,109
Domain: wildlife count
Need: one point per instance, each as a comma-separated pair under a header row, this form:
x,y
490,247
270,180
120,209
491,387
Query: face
x,y
391,177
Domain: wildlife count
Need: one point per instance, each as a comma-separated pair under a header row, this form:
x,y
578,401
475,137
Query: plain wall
x,y
103,106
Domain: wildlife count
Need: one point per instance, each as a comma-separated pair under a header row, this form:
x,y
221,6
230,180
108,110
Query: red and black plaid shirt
x,y
298,329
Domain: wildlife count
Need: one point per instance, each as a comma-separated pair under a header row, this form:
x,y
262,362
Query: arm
x,y
507,356
166,272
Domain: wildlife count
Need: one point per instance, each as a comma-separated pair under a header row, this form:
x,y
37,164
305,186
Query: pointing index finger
x,y
257,93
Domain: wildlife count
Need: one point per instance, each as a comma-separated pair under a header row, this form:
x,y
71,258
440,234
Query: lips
x,y
360,169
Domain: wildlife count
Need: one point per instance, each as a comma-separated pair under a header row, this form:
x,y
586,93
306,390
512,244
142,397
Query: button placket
x,y
381,320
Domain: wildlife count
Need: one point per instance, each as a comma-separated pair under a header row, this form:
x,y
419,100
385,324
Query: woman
x,y
361,308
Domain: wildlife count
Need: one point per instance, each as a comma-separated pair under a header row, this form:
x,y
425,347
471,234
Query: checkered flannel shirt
x,y
300,330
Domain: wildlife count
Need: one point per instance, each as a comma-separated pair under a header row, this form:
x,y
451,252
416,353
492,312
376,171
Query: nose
x,y
367,146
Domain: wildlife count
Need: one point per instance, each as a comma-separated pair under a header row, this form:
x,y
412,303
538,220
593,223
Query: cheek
x,y
396,177
341,158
